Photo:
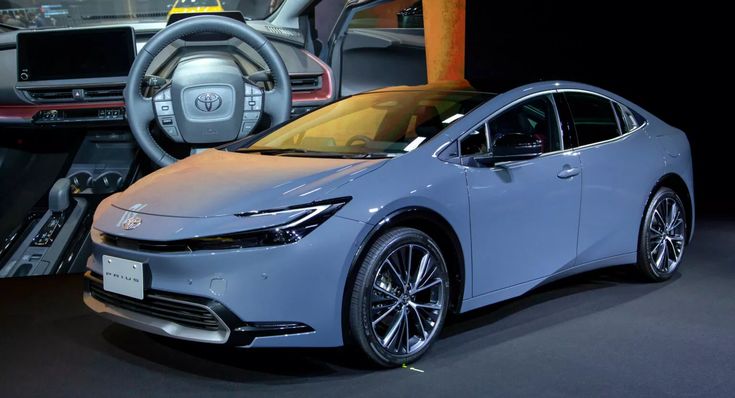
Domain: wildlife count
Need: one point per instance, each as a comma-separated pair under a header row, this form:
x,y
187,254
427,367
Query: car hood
x,y
219,183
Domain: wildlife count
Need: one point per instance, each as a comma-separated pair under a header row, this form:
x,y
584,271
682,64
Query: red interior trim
x,y
28,111
324,93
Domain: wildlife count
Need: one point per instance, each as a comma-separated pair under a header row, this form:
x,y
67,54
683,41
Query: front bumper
x,y
278,296
183,317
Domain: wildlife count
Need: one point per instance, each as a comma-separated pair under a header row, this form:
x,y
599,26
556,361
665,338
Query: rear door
x,y
618,174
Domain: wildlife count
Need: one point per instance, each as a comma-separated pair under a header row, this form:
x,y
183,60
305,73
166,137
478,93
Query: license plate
x,y
122,276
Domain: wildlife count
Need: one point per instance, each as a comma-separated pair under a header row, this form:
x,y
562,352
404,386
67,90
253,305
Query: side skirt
x,y
521,288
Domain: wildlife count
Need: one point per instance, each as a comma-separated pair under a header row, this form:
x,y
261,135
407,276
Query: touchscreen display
x,y
75,54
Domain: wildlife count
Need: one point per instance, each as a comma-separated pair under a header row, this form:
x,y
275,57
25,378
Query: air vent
x,y
50,95
67,94
306,83
104,93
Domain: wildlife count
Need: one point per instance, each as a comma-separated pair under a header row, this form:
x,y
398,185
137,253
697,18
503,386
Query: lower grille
x,y
174,310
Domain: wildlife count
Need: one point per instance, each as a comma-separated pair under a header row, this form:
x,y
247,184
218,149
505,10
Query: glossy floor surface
x,y
598,334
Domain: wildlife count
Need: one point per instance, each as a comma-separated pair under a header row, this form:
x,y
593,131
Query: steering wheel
x,y
209,100
358,138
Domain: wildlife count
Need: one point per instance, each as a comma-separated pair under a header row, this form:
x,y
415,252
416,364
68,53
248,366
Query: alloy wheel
x,y
666,235
406,301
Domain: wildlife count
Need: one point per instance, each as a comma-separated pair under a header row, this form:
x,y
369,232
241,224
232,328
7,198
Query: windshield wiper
x,y
380,155
272,151
10,27
321,154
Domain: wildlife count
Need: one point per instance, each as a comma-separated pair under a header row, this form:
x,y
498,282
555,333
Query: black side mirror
x,y
513,146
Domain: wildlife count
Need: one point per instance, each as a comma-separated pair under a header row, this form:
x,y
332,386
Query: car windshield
x,y
383,123
34,14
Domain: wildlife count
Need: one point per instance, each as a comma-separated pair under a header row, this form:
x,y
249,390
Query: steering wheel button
x,y
172,131
164,108
247,127
255,104
167,121
251,115
163,95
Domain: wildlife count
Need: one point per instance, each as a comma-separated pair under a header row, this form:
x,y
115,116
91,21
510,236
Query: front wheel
x,y
400,297
663,236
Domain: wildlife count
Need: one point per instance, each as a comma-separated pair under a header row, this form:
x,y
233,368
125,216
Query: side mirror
x,y
513,146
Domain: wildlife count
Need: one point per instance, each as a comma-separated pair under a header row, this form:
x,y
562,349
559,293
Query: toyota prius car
x,y
368,220
255,174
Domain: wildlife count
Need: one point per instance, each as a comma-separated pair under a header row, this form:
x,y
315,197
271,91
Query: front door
x,y
525,214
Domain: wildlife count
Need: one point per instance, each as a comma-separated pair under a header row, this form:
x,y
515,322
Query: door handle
x,y
568,171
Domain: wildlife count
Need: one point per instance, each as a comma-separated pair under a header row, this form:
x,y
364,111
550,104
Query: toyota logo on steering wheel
x,y
208,102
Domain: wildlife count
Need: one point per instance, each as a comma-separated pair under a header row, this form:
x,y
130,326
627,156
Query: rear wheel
x,y
400,297
663,236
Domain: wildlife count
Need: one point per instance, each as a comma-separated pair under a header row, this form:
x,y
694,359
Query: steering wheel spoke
x,y
273,101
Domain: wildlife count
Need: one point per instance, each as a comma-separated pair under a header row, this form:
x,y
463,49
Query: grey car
x,y
370,219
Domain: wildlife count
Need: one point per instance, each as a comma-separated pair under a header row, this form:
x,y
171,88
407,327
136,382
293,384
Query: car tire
x,y
400,293
662,237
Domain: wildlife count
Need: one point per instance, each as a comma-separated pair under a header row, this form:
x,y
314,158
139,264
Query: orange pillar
x,y
444,29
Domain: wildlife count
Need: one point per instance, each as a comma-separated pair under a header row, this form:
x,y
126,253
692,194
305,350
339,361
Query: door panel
x,y
524,220
618,176
619,172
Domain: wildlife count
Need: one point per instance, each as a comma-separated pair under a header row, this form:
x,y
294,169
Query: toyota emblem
x,y
208,102
132,223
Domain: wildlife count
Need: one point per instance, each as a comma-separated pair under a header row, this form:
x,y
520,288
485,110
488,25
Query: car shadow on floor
x,y
544,307
551,304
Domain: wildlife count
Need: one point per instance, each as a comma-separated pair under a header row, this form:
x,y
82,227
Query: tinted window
x,y
594,118
535,117
475,143
628,120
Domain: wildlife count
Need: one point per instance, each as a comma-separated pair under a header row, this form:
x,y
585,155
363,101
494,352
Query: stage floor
x,y
598,334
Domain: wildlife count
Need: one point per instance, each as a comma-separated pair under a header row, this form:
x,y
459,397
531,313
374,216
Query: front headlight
x,y
290,225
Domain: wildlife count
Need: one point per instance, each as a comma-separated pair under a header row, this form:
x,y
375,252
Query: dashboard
x,y
75,77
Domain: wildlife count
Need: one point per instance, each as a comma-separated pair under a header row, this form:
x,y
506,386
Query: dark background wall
x,y
669,58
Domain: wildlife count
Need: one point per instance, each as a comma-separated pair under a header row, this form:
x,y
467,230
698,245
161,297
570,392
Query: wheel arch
x,y
431,223
676,183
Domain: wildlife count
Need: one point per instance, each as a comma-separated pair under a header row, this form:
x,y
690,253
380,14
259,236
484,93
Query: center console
x,y
55,236
44,250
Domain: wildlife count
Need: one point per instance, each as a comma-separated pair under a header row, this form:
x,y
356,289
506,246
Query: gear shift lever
x,y
58,204
58,196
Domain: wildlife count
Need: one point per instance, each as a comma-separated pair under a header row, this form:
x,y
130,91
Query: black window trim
x,y
549,93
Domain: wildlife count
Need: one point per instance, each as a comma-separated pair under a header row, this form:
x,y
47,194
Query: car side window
x,y
475,143
535,117
594,118
628,119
